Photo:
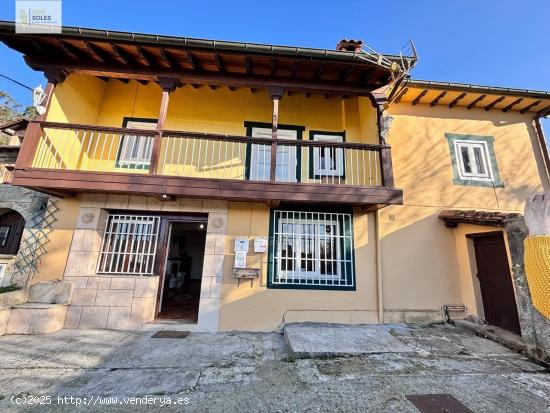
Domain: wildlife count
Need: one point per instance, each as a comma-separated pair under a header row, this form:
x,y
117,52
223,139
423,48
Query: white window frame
x,y
129,245
340,238
318,170
136,150
287,156
475,174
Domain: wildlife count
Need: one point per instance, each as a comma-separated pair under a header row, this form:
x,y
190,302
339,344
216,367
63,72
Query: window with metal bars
x,y
311,250
129,245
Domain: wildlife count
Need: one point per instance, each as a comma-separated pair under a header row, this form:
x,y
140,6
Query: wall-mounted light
x,y
38,96
201,226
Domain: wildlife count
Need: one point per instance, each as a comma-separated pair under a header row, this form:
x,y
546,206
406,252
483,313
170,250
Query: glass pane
x,y
466,159
479,161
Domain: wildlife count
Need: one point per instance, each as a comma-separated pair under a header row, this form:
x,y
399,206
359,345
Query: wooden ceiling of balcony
x,y
308,70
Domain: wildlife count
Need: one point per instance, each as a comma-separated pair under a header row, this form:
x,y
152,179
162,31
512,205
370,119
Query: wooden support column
x,y
379,101
276,93
34,130
168,85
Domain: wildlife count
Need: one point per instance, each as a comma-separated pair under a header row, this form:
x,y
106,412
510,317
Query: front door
x,y
497,290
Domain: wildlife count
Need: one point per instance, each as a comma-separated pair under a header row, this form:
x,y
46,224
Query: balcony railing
x,y
201,155
203,158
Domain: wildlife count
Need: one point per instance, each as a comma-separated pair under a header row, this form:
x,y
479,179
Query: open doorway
x,y
181,286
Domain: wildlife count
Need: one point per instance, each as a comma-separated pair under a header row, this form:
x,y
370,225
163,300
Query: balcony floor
x,y
68,183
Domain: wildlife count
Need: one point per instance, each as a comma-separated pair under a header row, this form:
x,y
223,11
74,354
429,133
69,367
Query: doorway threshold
x,y
174,325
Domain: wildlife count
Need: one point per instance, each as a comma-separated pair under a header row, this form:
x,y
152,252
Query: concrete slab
x,y
313,340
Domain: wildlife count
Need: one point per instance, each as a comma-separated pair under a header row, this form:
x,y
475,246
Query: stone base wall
x,y
127,302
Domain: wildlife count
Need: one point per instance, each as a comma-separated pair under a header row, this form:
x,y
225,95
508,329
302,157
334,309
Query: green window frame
x,y
121,163
250,125
311,249
337,153
473,160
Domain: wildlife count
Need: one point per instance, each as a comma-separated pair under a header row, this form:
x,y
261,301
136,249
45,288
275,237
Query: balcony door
x,y
287,157
135,150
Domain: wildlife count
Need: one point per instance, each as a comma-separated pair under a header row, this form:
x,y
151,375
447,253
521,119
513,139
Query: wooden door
x,y
11,230
497,290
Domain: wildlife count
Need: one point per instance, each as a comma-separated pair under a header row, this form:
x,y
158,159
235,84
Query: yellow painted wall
x,y
52,264
252,306
425,264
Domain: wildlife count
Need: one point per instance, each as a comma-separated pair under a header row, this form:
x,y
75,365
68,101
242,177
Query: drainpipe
x,y
543,145
379,268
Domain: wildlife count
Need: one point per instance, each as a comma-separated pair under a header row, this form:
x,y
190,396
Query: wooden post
x,y
34,131
276,93
168,85
387,168
379,101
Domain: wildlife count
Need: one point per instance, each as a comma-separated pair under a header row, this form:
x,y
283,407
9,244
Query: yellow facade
x,y
423,266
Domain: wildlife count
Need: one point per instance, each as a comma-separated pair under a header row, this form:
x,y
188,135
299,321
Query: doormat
x,y
437,403
170,334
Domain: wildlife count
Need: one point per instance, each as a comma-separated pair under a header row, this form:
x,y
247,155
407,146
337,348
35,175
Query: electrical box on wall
x,y
241,244
260,244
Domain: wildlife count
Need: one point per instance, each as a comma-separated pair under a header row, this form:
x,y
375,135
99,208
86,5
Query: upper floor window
x,y
327,161
473,160
135,150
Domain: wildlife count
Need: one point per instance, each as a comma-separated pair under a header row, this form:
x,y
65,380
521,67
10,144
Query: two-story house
x,y
222,185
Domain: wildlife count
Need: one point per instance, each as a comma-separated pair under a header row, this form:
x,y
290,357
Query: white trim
x,y
478,172
260,156
338,169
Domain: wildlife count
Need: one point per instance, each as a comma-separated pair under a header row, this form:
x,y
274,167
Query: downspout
x,y
379,268
543,146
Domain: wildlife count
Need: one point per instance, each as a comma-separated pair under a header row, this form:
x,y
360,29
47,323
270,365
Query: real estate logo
x,y
38,16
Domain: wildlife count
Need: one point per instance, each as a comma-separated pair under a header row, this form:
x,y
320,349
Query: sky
x,y
487,42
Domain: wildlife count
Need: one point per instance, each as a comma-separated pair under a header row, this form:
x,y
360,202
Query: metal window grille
x,y
129,245
312,249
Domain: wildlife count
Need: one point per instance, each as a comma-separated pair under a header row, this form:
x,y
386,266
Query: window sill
x,y
472,182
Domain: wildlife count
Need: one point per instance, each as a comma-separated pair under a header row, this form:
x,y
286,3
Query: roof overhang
x,y
471,96
453,217
147,57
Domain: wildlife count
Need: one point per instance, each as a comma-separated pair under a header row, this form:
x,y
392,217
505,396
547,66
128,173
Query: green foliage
x,y
10,110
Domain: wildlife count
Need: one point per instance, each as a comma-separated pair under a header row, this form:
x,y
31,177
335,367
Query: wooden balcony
x,y
65,159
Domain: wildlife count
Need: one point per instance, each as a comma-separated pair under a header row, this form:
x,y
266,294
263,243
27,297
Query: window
x,y
311,249
260,158
473,160
4,234
327,161
129,245
135,150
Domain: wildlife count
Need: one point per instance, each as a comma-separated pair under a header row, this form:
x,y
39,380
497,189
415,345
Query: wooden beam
x,y
544,112
420,96
473,103
294,69
120,54
168,83
145,56
401,94
200,77
319,72
438,98
493,103
347,73
272,67
457,99
248,65
125,81
155,152
56,76
219,63
168,59
192,61
74,51
511,105
530,106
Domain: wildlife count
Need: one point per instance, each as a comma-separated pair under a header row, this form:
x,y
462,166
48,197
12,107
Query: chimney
x,y
350,45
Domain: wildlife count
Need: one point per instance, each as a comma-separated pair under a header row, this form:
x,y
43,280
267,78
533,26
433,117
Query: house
x,y
23,227
159,152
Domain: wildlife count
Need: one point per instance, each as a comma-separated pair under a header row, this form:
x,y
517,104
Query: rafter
x,y
511,105
219,63
120,54
320,71
347,73
72,50
192,61
420,96
145,56
530,106
438,98
401,94
473,103
248,64
493,103
168,59
272,67
457,99
294,69
544,112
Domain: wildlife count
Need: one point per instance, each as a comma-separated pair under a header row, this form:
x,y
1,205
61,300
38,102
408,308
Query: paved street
x,y
253,372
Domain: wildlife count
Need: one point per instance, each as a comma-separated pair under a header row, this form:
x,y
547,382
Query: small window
x,y
4,234
129,245
473,160
328,161
135,150
311,249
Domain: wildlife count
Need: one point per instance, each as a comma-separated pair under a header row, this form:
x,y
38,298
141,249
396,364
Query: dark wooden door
x,y
11,230
497,290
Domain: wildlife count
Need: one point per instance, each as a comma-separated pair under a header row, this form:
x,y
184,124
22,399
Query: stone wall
x,y
28,203
535,328
127,302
